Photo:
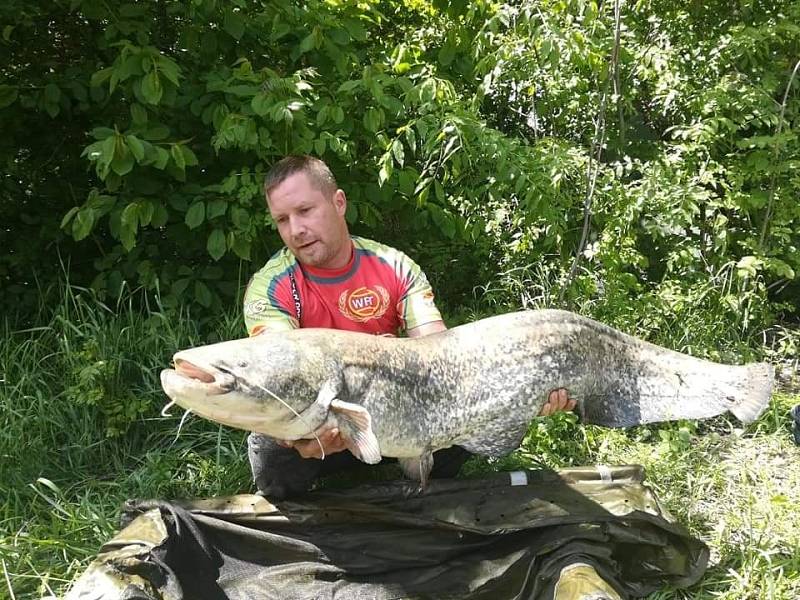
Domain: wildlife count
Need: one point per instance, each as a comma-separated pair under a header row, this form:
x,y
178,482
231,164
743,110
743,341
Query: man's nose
x,y
297,227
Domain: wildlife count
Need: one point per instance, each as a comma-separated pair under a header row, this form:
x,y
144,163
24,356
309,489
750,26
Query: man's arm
x,y
427,329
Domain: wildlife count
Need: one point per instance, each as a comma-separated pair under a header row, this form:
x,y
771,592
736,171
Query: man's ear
x,y
340,202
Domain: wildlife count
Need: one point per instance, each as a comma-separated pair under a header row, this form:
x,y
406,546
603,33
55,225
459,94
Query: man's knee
x,y
279,472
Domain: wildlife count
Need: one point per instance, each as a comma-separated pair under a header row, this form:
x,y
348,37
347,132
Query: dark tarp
x,y
577,534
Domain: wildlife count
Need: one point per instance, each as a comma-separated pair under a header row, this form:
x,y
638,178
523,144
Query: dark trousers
x,y
279,472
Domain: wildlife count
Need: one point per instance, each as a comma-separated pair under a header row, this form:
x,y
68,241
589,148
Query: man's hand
x,y
330,440
557,401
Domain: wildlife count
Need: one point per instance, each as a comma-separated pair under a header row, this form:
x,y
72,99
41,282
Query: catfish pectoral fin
x,y
355,426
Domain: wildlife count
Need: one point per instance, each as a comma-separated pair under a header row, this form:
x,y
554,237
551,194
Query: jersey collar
x,y
330,276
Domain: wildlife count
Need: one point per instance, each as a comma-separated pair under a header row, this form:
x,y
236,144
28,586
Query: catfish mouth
x,y
213,380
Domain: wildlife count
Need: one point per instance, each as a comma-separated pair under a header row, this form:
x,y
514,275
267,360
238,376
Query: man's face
x,y
311,224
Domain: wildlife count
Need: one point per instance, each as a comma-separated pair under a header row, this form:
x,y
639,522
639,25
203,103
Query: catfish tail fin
x,y
757,392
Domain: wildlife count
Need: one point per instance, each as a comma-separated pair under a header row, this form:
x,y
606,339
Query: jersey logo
x,y
364,303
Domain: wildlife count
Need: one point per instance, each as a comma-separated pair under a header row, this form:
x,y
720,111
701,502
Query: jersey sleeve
x,y
416,305
268,302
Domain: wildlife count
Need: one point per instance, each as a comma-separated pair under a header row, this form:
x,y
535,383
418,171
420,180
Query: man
x,y
326,278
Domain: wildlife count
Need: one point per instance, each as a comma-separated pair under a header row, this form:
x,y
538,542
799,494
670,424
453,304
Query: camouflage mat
x,y
576,534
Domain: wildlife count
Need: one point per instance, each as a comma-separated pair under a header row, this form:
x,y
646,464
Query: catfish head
x,y
282,384
272,383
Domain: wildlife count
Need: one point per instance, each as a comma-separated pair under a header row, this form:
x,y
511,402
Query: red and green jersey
x,y
381,291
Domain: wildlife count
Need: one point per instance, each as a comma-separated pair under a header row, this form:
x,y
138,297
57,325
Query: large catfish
x,y
477,385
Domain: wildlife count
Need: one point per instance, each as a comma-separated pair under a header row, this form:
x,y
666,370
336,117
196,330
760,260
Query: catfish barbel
x,y
477,385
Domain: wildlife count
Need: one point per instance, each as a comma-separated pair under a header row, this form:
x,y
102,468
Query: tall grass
x,y
81,433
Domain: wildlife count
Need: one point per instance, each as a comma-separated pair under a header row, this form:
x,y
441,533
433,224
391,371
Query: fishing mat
x,y
576,534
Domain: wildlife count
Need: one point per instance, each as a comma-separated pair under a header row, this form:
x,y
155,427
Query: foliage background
x,y
633,161
472,135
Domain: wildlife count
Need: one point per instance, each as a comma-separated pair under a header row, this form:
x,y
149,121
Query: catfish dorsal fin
x,y
355,426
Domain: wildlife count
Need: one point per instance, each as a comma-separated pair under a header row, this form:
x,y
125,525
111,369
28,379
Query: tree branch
x,y
775,154
593,164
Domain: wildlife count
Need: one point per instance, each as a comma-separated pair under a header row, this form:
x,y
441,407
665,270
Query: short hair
x,y
317,171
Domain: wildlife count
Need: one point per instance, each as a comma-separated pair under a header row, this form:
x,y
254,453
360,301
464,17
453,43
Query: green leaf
x,y
123,159
446,54
398,151
51,93
189,157
216,245
180,286
349,86
78,91
439,190
177,156
240,217
202,294
82,224
152,89
100,77
160,216
68,217
385,173
130,217
100,203
780,268
138,114
101,133
146,212
241,247
169,69
444,221
309,43
127,235
136,147
242,91
162,158
278,30
322,115
156,133
93,151
8,95
355,29
52,109
373,119
216,208
109,149
195,215
406,181
261,104
748,266
234,24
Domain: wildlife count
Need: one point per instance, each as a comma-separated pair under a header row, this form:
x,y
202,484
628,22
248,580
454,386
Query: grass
x,y
82,432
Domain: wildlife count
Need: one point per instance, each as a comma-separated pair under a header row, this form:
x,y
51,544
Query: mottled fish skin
x,y
477,385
